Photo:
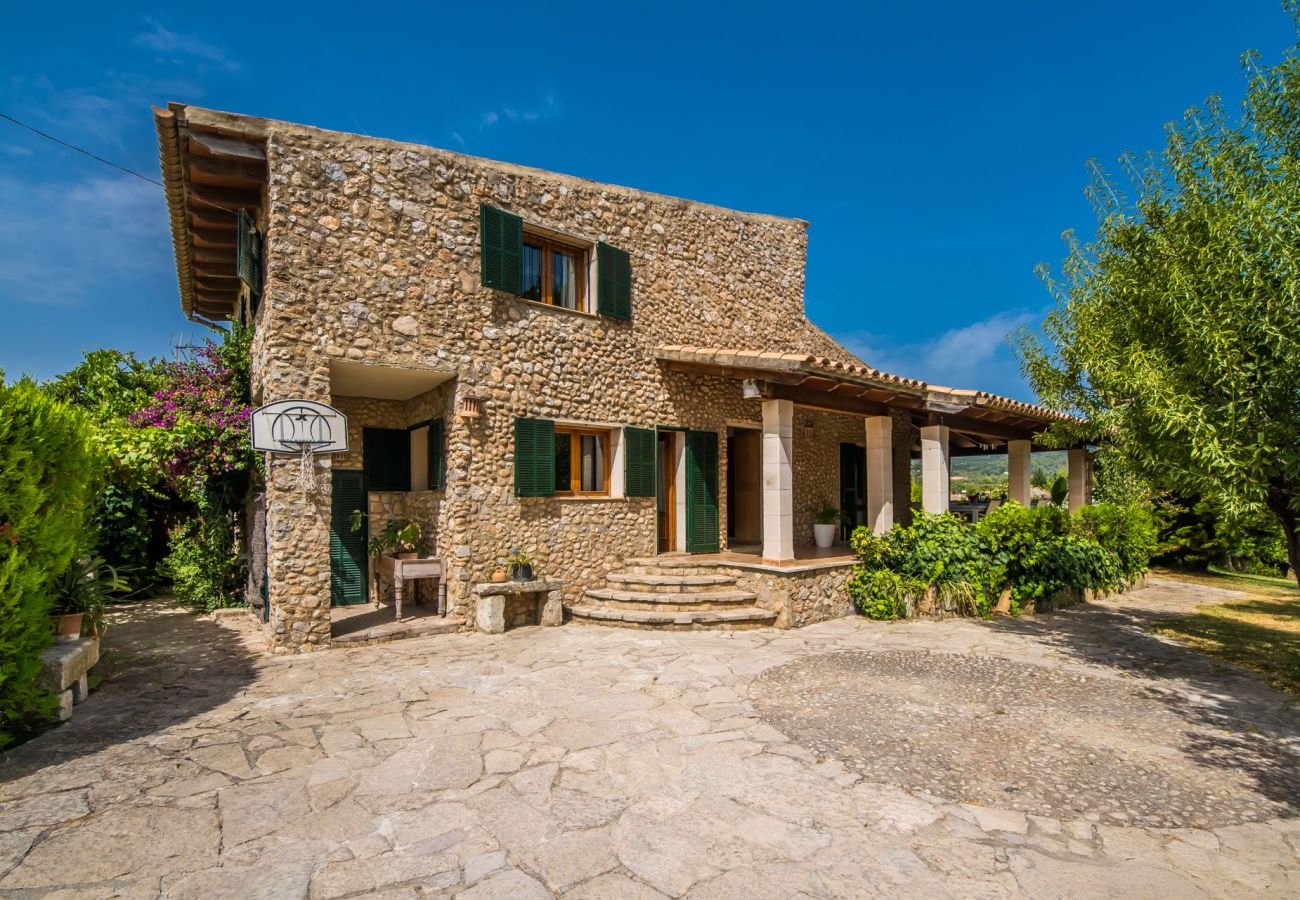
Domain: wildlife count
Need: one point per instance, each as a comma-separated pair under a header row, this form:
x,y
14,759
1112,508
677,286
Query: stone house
x,y
620,383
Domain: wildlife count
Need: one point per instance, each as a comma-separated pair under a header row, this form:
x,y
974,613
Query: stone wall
x,y
817,462
373,256
803,595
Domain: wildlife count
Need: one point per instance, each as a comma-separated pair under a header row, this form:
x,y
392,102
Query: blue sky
x,y
938,148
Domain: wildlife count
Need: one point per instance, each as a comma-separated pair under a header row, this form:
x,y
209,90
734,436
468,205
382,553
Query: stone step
x,y
668,565
674,583
675,620
623,599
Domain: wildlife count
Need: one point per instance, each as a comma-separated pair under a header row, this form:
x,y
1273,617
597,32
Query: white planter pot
x,y
824,535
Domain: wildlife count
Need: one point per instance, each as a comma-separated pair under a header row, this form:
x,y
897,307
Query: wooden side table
x,y
403,570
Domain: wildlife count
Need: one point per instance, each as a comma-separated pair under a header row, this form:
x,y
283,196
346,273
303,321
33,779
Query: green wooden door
x,y
347,547
701,492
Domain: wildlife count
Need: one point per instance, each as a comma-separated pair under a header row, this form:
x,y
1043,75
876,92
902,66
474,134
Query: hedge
x,y
46,475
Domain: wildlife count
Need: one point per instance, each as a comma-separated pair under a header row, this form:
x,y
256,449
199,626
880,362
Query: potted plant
x,y
521,566
80,595
403,536
826,516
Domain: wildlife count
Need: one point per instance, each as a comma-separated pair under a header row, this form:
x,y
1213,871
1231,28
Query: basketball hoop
x,y
300,428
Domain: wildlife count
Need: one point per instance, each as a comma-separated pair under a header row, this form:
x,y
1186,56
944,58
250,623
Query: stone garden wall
x,y
373,256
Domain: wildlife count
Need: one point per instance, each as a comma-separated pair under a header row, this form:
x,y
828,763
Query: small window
x,y
554,273
582,461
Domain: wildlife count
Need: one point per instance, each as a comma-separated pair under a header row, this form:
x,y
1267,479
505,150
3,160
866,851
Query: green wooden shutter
x,y
501,249
534,458
437,455
639,449
701,492
348,559
386,459
614,282
248,253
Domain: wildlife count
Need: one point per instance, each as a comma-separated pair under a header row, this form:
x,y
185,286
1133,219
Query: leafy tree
x,y
1174,333
110,386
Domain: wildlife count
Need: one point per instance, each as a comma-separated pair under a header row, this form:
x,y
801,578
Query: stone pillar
x,y
1018,471
902,439
778,480
880,474
1080,467
934,468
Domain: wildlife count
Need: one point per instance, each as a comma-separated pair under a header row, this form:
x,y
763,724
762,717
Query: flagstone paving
x,y
1067,755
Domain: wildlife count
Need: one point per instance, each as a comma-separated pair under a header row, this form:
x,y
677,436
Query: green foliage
x,y
85,586
825,512
1060,490
1197,534
401,535
203,558
110,386
1129,531
1033,553
45,486
1174,330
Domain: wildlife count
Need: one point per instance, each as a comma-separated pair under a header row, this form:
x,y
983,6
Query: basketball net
x,y
307,467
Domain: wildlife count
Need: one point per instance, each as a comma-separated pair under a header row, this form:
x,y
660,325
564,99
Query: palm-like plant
x,y
85,586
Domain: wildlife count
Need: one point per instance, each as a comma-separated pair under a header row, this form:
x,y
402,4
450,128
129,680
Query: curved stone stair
x,y
671,593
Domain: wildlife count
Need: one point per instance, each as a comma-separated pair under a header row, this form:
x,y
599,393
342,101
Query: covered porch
x,y
392,471
899,420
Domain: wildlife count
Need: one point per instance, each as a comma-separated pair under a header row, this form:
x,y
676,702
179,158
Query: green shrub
x,y
45,487
1126,530
1034,553
203,561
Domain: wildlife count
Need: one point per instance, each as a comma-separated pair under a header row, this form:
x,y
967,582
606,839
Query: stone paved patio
x,y
606,763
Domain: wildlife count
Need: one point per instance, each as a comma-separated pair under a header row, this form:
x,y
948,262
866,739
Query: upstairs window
x,y
554,272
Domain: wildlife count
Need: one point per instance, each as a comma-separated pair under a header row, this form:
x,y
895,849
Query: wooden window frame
x,y
574,435
548,245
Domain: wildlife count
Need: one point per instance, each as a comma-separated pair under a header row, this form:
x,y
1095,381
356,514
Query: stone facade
x,y
372,256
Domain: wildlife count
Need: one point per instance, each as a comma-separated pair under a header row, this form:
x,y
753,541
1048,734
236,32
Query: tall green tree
x,y
1176,330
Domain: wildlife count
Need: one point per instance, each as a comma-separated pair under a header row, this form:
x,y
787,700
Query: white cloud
x,y
64,242
546,107
179,48
16,150
971,356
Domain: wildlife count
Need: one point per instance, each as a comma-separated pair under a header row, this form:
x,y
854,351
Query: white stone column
x,y
880,473
934,468
1080,468
1018,471
778,480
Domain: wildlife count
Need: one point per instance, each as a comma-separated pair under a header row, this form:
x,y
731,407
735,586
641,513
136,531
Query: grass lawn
x,y
1260,631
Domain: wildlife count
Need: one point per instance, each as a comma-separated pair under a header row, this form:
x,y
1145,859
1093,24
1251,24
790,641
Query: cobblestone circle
x,y
984,730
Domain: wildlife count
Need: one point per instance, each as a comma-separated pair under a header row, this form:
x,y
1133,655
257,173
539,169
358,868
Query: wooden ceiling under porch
x,y
210,173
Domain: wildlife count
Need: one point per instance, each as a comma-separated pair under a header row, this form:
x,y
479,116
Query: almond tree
x,y
1177,330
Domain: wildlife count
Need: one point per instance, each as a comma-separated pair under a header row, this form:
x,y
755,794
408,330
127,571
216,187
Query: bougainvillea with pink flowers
x,y
203,407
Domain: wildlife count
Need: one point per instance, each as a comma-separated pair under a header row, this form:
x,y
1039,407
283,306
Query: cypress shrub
x,y
46,476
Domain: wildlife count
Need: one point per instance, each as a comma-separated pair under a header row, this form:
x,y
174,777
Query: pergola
x,y
903,418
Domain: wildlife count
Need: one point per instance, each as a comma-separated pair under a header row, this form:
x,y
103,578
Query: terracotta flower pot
x,y
67,627
498,576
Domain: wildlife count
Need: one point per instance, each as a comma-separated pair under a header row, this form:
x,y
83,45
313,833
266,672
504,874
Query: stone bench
x,y
64,667
511,603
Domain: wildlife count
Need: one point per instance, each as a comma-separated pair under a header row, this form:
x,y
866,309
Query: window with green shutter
x,y
248,253
613,282
348,558
534,458
639,448
501,249
437,455
386,459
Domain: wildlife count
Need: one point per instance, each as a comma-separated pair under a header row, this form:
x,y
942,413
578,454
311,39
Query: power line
x,y
100,159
